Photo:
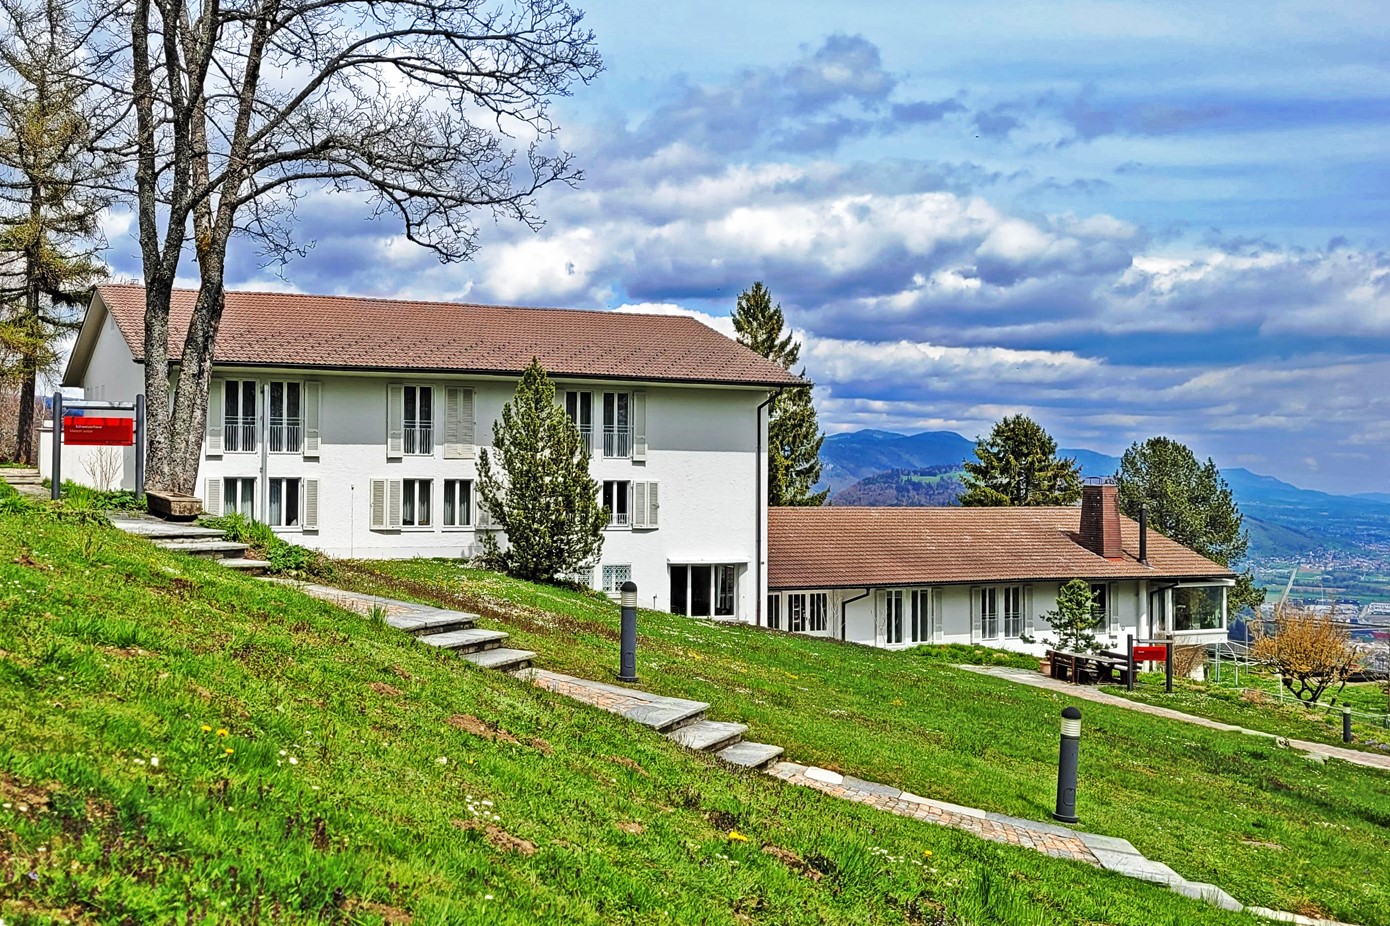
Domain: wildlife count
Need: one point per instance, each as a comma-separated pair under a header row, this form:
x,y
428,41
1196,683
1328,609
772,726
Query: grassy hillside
x,y
1261,822
179,743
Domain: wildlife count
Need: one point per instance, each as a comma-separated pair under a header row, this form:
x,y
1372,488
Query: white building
x,y
898,577
353,426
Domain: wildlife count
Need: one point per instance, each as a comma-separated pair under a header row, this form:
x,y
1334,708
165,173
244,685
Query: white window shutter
x,y
378,503
312,399
977,629
393,504
1112,610
216,394
458,423
309,518
395,422
937,617
212,503
639,504
1028,610
653,504
639,425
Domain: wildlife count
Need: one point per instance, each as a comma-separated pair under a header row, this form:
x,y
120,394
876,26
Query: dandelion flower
x,y
230,750
207,729
736,836
222,731
926,854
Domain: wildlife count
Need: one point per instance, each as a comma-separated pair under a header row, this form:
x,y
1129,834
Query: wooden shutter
x,y
395,422
639,425
937,617
1112,610
639,504
378,503
212,503
216,395
977,629
653,504
458,423
393,504
309,519
312,394
1028,610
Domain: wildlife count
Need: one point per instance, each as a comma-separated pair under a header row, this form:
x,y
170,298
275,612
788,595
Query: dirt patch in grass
x,y
498,837
381,688
22,798
537,743
629,763
470,724
392,916
632,827
793,861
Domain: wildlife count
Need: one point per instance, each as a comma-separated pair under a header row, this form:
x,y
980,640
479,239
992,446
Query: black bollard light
x,y
1346,724
1066,766
627,671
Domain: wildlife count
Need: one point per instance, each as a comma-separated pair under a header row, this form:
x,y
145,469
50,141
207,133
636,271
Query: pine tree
x,y
1017,465
794,437
52,175
540,491
1074,620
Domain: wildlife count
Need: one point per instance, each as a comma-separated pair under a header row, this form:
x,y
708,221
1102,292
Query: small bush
x,y
285,558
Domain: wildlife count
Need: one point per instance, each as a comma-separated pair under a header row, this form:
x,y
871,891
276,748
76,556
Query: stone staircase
x,y
205,542
26,480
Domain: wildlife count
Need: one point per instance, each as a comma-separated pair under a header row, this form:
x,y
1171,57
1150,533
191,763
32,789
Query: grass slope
x,y
1261,822
347,787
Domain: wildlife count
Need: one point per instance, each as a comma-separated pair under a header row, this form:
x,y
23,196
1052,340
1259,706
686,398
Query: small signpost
x,y
1150,651
93,431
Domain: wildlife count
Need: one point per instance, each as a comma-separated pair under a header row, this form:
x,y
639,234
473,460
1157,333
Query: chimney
x,y
1100,519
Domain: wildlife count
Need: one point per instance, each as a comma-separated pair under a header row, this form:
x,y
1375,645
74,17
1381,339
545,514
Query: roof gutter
x,y
759,510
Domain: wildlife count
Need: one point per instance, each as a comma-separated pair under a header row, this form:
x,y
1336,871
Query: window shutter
x,y
213,501
312,393
393,504
395,422
977,629
653,504
639,425
378,501
216,394
458,423
1028,610
309,519
937,618
639,504
1112,611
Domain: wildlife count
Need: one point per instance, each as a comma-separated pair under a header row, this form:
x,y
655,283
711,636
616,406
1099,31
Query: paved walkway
x,y
1086,693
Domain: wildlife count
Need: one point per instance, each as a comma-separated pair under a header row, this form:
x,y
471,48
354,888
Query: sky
x,y
1124,219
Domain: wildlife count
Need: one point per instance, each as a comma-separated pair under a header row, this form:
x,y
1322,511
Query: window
x,y
458,502
921,616
1199,608
239,496
893,617
580,406
415,503
286,417
615,499
239,416
284,503
989,614
704,590
774,611
418,419
617,424
614,577
820,606
1013,611
796,613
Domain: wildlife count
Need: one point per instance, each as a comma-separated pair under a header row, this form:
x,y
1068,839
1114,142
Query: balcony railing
x,y
286,436
419,439
586,437
239,434
617,442
618,519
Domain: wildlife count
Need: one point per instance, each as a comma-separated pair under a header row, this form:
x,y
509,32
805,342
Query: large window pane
x,y
1197,608
680,586
701,581
724,597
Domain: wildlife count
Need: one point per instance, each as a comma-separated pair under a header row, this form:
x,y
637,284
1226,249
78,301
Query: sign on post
x,y
86,431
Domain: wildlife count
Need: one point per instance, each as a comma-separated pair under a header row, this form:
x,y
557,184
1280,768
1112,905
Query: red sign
x,y
1150,653
82,431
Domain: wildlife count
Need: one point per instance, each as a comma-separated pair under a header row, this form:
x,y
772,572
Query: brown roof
x,y
279,329
844,547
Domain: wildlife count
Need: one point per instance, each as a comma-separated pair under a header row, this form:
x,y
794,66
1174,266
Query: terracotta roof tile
x,y
845,547
386,334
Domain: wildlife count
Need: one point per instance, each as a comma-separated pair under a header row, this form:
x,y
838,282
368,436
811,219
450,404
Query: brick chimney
x,y
1100,520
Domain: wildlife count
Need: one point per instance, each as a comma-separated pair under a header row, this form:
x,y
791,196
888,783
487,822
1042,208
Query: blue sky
x,y
1124,219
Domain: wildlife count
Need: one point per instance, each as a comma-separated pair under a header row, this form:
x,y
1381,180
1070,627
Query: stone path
x,y
1085,693
25,480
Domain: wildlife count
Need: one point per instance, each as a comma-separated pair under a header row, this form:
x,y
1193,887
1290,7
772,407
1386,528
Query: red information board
x,y
82,431
1150,653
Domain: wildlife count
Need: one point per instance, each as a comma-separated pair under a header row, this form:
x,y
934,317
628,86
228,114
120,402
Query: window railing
x,y
617,442
619,519
1013,623
239,434
286,436
586,437
419,439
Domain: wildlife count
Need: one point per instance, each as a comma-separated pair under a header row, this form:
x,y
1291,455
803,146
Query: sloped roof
x,y
845,547
348,332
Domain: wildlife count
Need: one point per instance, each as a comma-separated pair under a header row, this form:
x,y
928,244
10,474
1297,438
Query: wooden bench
x,y
1088,668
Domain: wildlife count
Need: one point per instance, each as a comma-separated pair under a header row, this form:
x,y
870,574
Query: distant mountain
x,y
886,468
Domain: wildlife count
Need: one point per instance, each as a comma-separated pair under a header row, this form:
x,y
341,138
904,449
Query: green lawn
x,y
342,792
1265,824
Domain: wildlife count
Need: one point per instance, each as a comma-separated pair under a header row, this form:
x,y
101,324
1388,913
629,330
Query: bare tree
x,y
54,177
432,110
1311,651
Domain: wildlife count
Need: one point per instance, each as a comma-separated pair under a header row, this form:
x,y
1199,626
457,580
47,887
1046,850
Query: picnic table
x,y
1088,668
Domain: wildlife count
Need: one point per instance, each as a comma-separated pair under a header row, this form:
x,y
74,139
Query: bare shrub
x,y
1310,651
1188,659
104,466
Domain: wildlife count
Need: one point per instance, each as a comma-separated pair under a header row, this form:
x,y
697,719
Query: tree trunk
x,y
25,451
157,434
190,411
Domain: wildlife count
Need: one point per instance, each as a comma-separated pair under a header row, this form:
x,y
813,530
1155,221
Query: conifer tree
x,y
535,484
1017,465
794,437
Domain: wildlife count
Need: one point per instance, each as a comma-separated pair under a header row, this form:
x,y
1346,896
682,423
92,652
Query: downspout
x,y
759,487
846,603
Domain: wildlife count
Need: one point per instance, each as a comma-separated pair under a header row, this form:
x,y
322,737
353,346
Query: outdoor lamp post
x,y
1066,766
1346,724
627,670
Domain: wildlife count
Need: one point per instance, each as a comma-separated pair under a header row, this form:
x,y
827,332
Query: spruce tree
x,y
539,491
1017,465
794,437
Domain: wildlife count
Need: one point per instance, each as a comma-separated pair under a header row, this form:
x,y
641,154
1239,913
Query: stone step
x,y
750,755
446,622
208,549
708,735
468,640
252,567
166,530
502,659
22,479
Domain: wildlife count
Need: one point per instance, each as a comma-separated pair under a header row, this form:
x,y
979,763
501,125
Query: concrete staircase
x,y
205,542
25,480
